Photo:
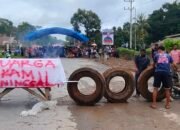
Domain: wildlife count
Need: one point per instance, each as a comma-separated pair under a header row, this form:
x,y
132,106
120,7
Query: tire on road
x,y
143,85
80,98
126,93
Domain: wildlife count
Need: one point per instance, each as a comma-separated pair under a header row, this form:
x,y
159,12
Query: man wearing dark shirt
x,y
155,50
162,75
141,62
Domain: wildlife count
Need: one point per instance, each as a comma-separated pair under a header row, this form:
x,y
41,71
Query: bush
x,y
169,43
148,51
127,53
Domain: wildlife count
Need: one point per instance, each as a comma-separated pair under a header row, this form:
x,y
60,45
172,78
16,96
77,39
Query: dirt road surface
x,y
134,115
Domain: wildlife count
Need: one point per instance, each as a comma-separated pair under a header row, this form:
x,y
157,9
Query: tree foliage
x,y
89,21
142,27
169,43
23,29
118,36
165,21
6,27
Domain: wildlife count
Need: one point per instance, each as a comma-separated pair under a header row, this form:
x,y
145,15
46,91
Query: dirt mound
x,y
117,62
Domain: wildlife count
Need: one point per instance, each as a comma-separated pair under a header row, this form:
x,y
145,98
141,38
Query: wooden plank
x,y
5,91
35,94
41,92
47,93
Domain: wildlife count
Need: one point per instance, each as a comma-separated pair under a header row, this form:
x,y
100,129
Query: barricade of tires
x,y
102,86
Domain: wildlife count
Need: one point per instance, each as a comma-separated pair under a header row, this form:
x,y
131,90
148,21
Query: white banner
x,y
108,37
31,73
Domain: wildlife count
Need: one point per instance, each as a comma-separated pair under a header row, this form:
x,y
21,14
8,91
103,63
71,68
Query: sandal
x,y
167,106
153,106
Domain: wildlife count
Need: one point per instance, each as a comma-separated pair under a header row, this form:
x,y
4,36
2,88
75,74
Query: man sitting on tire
x,y
141,62
162,75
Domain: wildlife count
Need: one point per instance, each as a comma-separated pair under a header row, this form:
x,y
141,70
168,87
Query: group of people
x,y
162,62
43,52
92,52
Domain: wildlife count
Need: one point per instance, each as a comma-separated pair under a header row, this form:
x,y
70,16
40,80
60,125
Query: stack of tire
x,y
102,86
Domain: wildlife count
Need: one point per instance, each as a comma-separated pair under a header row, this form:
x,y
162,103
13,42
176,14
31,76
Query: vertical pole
x,y
135,29
131,24
130,8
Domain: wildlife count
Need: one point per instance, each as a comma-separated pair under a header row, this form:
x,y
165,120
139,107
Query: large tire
x,y
143,85
128,90
80,98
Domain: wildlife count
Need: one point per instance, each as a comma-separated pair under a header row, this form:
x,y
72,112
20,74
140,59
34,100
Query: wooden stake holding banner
x,y
5,91
36,94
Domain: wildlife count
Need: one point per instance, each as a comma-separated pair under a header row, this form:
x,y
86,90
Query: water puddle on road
x,y
66,118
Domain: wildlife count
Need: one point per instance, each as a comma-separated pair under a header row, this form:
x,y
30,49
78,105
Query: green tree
x,y
118,36
142,27
126,32
6,27
89,21
23,29
164,21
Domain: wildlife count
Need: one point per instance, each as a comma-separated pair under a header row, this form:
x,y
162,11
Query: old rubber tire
x,y
143,85
128,90
80,98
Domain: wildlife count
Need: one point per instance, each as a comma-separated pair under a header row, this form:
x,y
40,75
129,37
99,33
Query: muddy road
x,y
134,115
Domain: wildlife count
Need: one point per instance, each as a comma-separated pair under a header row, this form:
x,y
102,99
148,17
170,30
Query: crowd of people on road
x,y
91,52
34,52
162,62
59,51
42,52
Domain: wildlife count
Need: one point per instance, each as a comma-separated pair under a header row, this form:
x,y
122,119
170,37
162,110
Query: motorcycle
x,y
175,91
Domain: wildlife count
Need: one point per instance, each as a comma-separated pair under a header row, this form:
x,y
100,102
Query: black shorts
x,y
164,78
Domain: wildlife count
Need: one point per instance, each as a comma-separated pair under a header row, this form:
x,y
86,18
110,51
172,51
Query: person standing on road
x,y
106,57
89,52
100,52
141,62
175,54
162,75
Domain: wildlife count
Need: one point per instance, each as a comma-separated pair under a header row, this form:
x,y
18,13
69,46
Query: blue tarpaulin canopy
x,y
55,30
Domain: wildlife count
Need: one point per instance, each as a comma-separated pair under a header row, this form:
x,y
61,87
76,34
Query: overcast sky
x,y
57,13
